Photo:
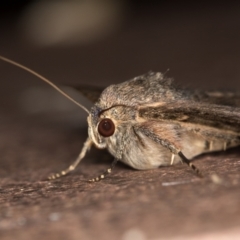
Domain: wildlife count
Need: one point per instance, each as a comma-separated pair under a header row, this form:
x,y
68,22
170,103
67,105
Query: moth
x,y
148,122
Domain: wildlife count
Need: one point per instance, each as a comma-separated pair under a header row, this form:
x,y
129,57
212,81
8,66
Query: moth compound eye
x,y
106,127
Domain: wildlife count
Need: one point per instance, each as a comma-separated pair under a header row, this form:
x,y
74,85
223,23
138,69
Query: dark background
x,y
41,133
197,42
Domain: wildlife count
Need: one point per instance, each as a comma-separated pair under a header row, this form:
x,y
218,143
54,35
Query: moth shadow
x,y
229,152
222,162
103,158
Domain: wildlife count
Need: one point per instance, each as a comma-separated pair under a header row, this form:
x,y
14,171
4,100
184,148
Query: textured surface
x,y
129,204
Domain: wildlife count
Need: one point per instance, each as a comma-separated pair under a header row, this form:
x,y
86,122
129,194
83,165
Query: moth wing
x,y
90,92
226,98
193,112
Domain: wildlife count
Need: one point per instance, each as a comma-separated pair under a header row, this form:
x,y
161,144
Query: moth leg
x,y
172,159
225,146
108,171
172,144
188,162
211,145
86,147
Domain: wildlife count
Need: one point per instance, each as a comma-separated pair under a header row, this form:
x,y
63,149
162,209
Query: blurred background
x,y
110,41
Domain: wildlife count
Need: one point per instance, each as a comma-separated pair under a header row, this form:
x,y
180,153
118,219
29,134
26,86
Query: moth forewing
x,y
90,92
201,127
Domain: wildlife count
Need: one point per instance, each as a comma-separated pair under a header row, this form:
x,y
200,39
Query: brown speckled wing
x,y
90,92
226,98
221,113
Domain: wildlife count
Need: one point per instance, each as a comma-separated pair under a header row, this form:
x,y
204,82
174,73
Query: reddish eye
x,y
106,127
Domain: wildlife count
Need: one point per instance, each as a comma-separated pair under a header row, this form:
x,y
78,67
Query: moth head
x,y
101,126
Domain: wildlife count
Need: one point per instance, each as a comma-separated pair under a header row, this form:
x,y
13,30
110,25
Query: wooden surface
x,y
165,203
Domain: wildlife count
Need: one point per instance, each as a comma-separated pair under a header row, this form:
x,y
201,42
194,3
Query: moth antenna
x,y
45,80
